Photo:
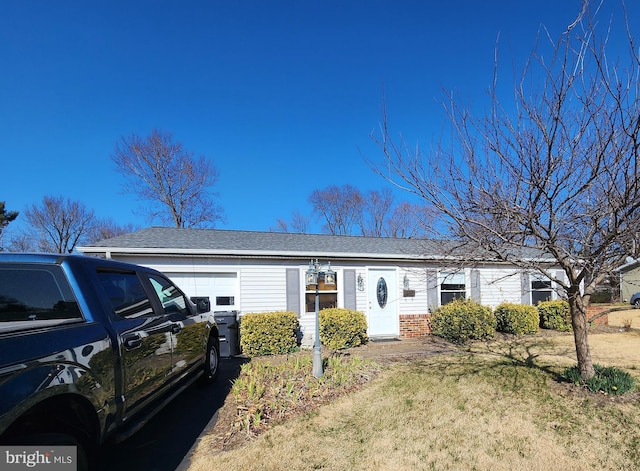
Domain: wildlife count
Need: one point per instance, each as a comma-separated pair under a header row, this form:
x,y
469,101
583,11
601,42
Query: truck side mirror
x,y
202,304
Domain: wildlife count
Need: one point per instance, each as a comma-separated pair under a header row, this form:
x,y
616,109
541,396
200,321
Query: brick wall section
x,y
602,313
415,325
419,325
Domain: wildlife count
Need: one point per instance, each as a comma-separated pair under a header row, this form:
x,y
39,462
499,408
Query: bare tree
x,y
556,170
174,183
376,209
407,221
57,225
297,224
22,242
340,207
348,211
281,226
106,229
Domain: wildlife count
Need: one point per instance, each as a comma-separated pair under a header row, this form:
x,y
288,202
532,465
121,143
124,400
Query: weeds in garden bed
x,y
268,391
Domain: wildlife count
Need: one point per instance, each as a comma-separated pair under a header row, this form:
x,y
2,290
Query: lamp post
x,y
313,278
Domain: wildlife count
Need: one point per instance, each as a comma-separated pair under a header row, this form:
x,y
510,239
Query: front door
x,y
383,303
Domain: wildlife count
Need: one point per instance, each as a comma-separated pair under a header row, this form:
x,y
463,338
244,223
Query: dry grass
x,y
497,406
619,318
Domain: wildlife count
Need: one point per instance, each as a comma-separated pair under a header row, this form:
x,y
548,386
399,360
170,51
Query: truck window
x,y
126,293
35,294
171,298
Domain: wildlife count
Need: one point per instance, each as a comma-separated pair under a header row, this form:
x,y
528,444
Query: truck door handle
x,y
176,328
134,341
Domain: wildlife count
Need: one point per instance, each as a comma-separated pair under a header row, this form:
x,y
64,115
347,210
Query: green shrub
x,y
518,319
554,315
462,320
269,333
609,380
342,328
602,296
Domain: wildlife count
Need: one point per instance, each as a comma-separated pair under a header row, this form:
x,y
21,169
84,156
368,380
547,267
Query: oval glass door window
x,y
381,293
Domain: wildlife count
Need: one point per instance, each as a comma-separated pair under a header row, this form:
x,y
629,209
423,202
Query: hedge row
x,y
273,333
555,315
518,319
269,333
342,328
463,320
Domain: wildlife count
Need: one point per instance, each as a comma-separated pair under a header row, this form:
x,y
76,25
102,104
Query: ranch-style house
x,y
396,283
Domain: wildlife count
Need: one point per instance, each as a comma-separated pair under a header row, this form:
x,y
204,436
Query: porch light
x,y
329,276
311,274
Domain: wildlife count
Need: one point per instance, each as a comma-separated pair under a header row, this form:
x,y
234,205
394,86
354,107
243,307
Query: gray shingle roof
x,y
214,242
220,242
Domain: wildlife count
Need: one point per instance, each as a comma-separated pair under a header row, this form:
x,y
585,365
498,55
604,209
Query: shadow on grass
x,y
523,351
531,352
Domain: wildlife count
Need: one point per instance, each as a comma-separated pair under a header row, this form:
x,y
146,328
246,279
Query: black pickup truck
x,y
90,349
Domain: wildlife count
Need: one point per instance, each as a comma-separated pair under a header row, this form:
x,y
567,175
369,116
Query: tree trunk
x,y
580,332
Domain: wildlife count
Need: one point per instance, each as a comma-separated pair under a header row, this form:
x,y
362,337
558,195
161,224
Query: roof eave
x,y
165,251
246,253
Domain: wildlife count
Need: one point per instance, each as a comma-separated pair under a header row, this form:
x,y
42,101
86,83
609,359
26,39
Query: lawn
x,y
491,406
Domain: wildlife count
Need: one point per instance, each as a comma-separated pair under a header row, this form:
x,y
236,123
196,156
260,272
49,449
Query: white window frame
x,y
540,278
311,291
452,277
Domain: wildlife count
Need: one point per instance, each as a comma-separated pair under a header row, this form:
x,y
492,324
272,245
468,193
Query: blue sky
x,y
281,95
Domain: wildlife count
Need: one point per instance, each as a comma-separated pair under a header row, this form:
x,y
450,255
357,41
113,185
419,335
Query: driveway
x,y
165,442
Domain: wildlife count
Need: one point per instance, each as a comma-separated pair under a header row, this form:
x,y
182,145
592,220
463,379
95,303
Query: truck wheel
x,y
212,361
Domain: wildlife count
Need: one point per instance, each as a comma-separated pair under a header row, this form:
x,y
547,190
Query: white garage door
x,y
220,288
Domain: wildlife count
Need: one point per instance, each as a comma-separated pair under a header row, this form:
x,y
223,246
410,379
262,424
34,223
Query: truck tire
x,y
212,361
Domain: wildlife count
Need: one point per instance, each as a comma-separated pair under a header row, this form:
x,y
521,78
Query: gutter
x,y
285,254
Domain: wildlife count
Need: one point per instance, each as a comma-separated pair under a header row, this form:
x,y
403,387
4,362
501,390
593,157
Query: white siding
x,y
361,295
417,282
499,285
263,288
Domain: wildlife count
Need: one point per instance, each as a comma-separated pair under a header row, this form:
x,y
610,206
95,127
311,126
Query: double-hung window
x,y
540,288
452,286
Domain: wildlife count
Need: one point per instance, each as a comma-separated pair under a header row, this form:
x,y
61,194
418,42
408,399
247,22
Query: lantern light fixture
x,y
312,278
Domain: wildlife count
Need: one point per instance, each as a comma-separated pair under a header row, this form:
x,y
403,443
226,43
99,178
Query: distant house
x,y
629,279
396,283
